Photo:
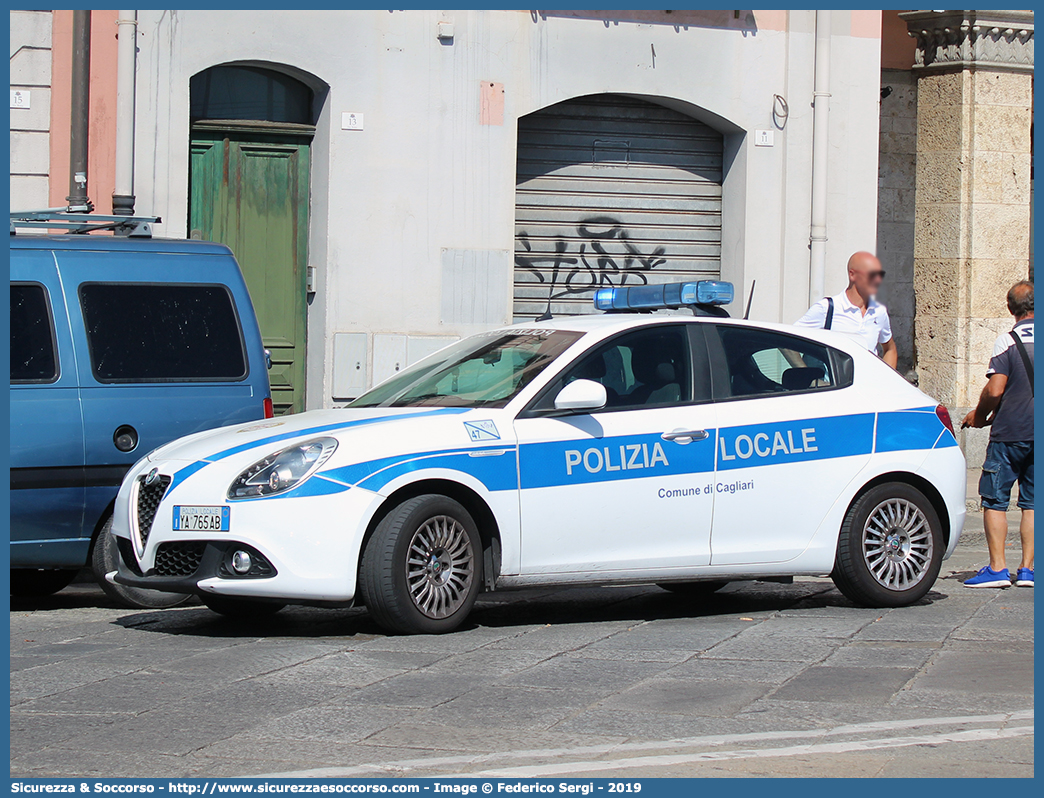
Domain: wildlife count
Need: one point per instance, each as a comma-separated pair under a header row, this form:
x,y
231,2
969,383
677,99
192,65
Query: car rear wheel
x,y
239,607
421,569
31,582
890,548
105,557
693,589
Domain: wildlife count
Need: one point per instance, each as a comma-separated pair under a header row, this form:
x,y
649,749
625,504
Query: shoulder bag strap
x,y
830,313
1027,361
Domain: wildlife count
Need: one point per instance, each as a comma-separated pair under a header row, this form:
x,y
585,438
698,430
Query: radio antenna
x,y
750,299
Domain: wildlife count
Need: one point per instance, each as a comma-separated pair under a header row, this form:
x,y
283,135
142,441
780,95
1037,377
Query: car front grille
x,y
178,559
149,497
127,555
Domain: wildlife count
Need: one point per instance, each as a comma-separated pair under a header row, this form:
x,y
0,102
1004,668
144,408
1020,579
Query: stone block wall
x,y
897,170
972,226
971,237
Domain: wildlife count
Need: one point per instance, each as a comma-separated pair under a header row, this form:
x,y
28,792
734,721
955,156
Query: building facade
x,y
393,180
31,57
956,192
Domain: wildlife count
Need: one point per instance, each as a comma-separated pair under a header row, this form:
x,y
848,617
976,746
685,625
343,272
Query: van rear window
x,y
32,335
158,332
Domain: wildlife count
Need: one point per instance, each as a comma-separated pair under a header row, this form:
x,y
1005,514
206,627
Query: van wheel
x,y
33,583
421,569
890,548
692,589
241,608
105,556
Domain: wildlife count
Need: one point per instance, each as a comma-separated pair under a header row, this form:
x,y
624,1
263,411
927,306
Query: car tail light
x,y
944,417
270,411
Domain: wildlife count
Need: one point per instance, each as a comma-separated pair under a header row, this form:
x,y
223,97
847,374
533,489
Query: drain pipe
x,y
81,100
123,192
820,151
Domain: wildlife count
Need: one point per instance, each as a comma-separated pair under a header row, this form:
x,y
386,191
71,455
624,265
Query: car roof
x,y
604,324
602,321
99,243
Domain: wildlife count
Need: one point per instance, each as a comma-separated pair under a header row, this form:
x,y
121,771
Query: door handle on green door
x,y
684,436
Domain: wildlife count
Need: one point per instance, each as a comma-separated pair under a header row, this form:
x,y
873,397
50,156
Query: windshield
x,y
485,370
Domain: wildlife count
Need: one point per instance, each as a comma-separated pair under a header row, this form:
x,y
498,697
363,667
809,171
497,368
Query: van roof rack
x,y
61,219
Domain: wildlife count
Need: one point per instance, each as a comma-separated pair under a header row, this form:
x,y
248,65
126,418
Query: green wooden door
x,y
250,191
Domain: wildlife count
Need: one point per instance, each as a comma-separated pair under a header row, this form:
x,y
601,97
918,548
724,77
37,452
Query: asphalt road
x,y
762,680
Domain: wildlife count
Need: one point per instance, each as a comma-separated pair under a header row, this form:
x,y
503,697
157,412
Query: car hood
x,y
276,433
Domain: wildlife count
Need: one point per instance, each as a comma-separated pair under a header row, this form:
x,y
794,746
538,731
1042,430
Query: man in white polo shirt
x,y
855,311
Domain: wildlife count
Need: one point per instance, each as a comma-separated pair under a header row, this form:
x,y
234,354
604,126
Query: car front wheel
x,y
890,548
420,570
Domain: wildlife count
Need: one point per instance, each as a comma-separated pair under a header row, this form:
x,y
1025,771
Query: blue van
x,y
119,344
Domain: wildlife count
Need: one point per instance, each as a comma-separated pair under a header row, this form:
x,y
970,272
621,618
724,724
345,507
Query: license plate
x,y
201,519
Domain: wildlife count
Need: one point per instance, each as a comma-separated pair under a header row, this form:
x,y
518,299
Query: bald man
x,y
856,311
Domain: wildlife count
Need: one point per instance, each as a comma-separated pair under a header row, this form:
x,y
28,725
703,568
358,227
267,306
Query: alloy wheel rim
x,y
440,566
897,544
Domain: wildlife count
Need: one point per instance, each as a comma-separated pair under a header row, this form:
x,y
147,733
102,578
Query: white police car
x,y
624,447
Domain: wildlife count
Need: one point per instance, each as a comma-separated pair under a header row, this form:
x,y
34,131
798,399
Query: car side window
x,y
641,369
154,332
765,362
33,357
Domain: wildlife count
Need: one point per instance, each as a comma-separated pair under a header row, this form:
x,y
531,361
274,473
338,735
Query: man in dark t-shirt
x,y
1006,404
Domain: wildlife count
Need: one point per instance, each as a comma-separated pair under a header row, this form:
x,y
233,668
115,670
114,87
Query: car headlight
x,y
282,470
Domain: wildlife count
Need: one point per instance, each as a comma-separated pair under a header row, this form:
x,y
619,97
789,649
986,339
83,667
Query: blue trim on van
x,y
55,553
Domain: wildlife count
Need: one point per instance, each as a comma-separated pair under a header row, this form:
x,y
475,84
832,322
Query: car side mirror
x,y
268,359
581,395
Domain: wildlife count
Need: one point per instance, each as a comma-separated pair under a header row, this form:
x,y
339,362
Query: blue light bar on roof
x,y
667,295
714,292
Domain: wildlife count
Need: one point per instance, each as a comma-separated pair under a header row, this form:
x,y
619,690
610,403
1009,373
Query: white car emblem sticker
x,y
482,430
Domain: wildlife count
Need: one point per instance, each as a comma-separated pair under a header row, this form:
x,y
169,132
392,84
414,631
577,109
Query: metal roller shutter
x,y
612,190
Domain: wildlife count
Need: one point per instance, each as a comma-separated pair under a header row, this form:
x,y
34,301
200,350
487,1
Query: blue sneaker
x,y
1024,577
987,577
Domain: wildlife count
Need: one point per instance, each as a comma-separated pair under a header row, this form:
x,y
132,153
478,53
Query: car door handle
x,y
684,436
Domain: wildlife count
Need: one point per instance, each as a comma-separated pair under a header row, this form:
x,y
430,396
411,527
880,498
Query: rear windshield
x,y
486,370
32,335
158,332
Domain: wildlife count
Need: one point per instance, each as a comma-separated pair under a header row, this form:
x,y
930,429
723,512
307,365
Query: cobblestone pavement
x,y
762,679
